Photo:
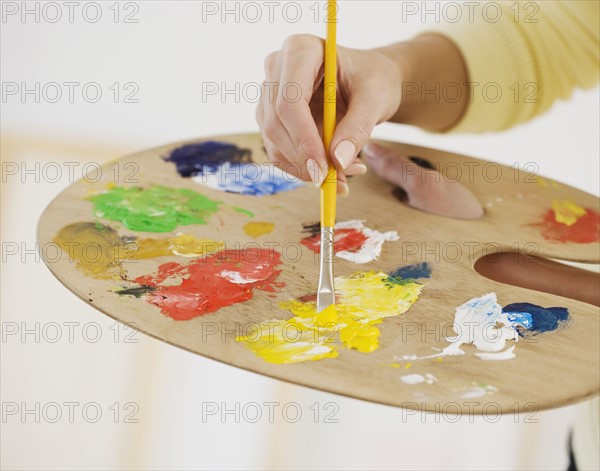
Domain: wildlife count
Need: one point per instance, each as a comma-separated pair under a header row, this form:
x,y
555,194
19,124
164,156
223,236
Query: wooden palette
x,y
550,370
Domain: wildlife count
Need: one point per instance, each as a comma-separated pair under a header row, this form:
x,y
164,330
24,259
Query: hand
x,y
290,111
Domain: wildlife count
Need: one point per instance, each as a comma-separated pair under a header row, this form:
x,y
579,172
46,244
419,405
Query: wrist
x,y
432,82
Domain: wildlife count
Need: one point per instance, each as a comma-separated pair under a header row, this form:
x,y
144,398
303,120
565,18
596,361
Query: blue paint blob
x,y
413,272
248,179
226,167
536,319
524,319
194,159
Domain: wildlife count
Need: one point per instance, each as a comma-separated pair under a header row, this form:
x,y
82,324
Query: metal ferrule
x,y
326,293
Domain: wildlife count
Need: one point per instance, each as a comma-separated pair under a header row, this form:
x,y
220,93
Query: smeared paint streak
x,y
137,292
413,272
536,319
483,323
353,241
154,208
364,299
212,282
416,378
224,166
258,228
243,211
99,251
568,222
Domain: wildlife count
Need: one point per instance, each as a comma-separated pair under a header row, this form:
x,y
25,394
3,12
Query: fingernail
x,y
344,153
343,189
317,174
357,169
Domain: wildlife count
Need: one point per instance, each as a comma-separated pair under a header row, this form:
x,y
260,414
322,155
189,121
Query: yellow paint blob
x,y
98,250
363,301
94,248
567,212
258,228
182,244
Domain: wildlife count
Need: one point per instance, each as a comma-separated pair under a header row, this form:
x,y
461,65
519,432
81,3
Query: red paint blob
x,y
210,283
350,240
585,230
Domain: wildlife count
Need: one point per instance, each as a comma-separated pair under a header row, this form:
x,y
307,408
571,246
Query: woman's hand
x,y
391,83
291,108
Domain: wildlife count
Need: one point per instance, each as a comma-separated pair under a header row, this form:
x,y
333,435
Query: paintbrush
x,y
326,291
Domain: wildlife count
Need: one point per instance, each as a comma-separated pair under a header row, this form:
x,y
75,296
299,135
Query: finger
x,y
301,63
279,160
356,168
342,185
355,128
270,124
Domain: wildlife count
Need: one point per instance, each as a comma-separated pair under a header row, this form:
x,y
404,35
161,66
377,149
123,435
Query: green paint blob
x,y
153,209
243,211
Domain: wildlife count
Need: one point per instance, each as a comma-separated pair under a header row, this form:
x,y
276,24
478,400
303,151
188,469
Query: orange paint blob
x,y
584,230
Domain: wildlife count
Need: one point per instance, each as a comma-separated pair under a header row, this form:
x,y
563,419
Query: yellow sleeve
x,y
522,57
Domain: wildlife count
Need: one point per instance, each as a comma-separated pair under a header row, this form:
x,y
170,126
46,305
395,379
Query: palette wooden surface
x,y
550,370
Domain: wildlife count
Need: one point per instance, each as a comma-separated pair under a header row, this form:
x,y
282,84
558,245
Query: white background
x,y
169,53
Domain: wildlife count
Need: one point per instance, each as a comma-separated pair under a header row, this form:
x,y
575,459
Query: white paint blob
x,y
416,378
237,277
479,391
507,354
481,322
371,249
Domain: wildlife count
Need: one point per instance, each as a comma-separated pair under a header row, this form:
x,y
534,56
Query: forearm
x,y
433,82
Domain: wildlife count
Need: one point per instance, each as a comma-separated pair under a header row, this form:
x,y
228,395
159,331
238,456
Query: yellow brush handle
x,y
329,186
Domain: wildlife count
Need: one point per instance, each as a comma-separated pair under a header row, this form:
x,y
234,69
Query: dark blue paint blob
x,y
413,272
536,319
195,159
